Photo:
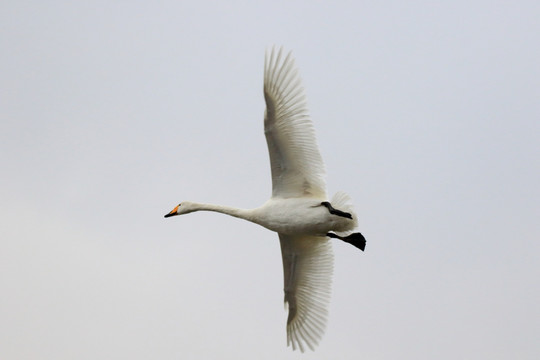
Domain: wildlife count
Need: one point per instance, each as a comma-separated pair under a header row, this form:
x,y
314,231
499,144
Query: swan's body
x,y
303,216
298,210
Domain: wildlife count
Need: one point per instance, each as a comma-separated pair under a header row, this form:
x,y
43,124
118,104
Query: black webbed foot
x,y
336,211
355,239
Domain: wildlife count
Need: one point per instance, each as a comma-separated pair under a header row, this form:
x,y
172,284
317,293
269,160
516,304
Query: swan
x,y
298,210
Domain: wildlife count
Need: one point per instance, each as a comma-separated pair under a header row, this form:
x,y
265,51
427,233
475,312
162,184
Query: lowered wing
x,y
308,264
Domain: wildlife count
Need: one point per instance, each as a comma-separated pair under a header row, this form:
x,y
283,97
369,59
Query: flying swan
x,y
299,210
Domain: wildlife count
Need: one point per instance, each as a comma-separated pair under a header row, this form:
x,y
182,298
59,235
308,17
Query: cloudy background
x,y
112,112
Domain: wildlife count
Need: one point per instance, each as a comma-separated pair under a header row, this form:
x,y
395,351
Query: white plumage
x,y
298,209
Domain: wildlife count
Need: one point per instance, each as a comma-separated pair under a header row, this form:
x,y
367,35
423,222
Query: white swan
x,y
298,209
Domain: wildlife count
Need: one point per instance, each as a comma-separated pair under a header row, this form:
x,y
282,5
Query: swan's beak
x,y
173,212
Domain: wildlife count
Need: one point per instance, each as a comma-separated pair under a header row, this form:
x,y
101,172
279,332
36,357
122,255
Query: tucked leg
x,y
336,211
356,239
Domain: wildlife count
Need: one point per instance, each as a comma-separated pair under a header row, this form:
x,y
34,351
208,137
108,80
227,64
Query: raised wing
x,y
297,166
308,264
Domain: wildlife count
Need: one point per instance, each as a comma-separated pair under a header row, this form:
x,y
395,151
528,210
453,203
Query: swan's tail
x,y
342,201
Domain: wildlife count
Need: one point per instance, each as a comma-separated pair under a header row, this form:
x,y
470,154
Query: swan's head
x,y
183,208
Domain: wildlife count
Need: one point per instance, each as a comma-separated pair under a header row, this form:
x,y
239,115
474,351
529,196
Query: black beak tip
x,y
168,215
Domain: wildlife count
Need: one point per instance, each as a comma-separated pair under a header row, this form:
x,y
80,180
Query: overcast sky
x,y
112,112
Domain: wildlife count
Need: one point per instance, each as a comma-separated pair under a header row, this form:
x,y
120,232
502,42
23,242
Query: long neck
x,y
245,214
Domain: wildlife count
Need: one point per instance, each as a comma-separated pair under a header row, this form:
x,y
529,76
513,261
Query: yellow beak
x,y
173,212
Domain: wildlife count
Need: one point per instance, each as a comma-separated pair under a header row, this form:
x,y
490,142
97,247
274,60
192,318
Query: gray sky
x,y
427,114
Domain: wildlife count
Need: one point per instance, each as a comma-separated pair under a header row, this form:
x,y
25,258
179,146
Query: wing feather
x,y
296,164
308,264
